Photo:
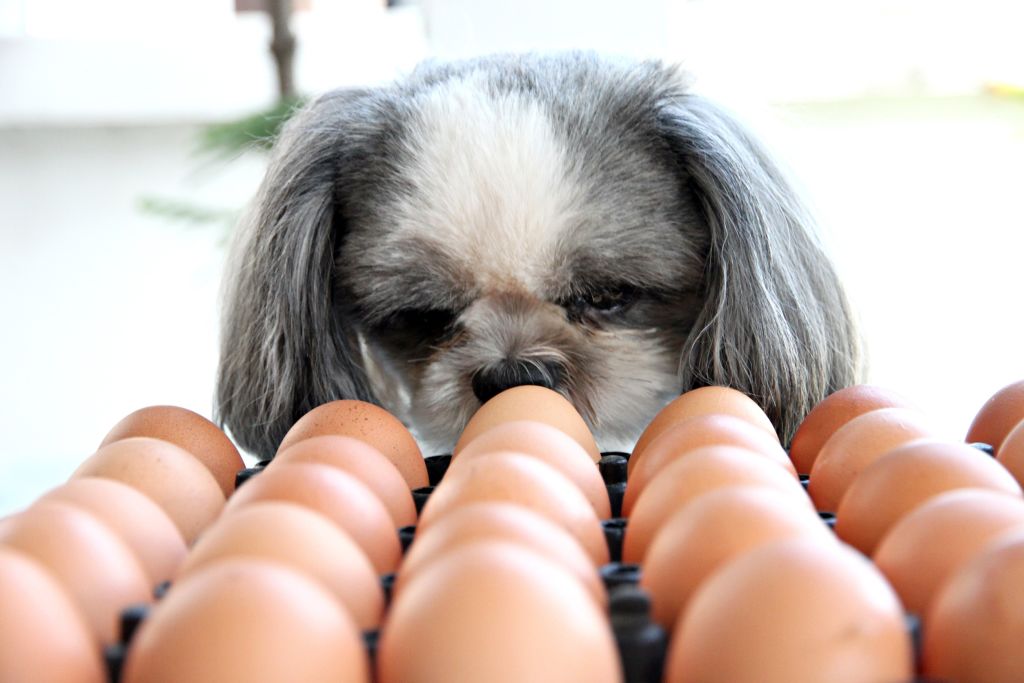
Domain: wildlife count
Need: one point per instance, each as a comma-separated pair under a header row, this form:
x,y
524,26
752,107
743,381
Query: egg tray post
x,y
642,644
130,619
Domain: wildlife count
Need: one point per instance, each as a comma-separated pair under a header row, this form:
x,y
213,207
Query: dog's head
x,y
571,222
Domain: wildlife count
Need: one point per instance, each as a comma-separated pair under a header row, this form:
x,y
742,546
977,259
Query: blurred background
x,y
125,157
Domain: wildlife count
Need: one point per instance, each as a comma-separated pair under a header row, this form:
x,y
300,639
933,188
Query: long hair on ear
x,y
285,347
776,323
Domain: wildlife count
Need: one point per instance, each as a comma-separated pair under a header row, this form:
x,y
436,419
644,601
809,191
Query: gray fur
x,y
346,282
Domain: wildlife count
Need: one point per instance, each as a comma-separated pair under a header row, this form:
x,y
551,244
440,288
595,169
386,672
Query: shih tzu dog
x,y
578,223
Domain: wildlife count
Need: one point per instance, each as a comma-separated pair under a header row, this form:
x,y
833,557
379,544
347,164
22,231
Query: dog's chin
x,y
439,403
439,416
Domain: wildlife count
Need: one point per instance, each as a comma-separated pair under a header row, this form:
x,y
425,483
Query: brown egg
x,y
134,517
369,423
549,444
974,629
929,544
715,529
792,611
1011,453
857,444
694,432
93,565
43,636
521,479
534,403
702,401
247,620
1000,413
339,496
503,522
833,412
706,469
302,539
168,474
907,476
187,429
362,461
497,612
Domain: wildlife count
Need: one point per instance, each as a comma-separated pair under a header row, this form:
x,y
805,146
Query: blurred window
x,y
12,18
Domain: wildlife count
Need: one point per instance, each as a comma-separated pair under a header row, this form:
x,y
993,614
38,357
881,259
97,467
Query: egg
x,y
302,539
907,476
856,445
521,479
340,497
188,429
91,563
369,423
134,517
168,474
247,620
927,545
504,522
1011,453
497,612
43,635
702,401
693,432
362,461
530,402
550,445
703,470
715,529
833,412
792,611
1000,414
975,626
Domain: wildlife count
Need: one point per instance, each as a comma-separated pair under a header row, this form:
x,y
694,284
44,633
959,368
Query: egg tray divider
x,y
642,644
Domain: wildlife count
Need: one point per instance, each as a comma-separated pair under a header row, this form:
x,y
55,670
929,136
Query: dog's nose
x,y
491,381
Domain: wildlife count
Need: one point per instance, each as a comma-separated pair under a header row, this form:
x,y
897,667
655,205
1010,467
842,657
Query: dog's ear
x,y
285,345
776,323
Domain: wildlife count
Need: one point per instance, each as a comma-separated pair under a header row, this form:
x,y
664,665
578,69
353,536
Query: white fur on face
x,y
494,189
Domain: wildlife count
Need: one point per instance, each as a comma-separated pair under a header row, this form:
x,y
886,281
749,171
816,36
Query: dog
x,y
571,221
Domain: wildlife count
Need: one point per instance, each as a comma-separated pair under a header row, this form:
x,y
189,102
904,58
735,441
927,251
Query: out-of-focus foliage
x,y
257,131
224,142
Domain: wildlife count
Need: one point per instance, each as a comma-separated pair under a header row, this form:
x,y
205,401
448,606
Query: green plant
x,y
224,142
257,131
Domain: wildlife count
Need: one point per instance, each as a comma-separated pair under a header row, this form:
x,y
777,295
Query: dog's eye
x,y
427,323
607,301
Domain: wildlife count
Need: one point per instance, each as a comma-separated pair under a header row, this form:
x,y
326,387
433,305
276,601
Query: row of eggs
x,y
523,484
943,523
157,502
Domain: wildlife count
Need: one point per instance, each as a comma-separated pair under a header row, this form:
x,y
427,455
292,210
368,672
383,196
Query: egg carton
x,y
642,643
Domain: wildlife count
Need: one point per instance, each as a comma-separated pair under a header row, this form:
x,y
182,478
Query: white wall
x,y
762,51
105,309
103,61
464,28
821,49
199,62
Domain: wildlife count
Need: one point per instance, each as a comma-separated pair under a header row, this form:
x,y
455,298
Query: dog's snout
x,y
491,381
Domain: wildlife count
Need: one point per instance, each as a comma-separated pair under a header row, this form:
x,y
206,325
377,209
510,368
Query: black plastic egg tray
x,y
641,642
